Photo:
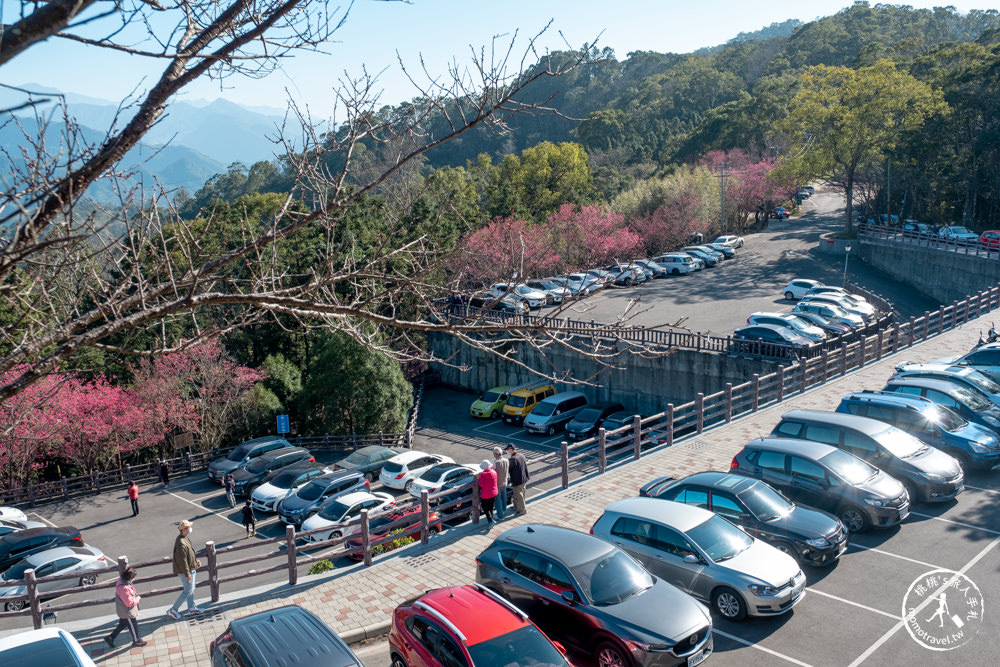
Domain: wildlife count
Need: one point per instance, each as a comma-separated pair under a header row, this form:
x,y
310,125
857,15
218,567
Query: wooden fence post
x,y
602,449
781,383
729,402
366,538
843,358
825,361
122,565
213,570
909,337
755,389
878,346
670,424
803,380
128,472
861,352
475,498
292,548
32,589
927,323
425,516
636,436
65,488
31,493
699,403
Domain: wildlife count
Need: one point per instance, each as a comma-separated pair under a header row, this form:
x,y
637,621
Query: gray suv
x,y
299,506
243,454
822,476
592,596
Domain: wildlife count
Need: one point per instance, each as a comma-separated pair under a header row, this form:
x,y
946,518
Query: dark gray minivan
x,y
927,473
816,474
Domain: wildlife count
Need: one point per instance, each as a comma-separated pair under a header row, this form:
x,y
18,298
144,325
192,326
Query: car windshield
x,y
333,510
312,490
516,401
258,466
238,454
960,230
490,397
612,578
356,459
765,503
588,415
970,397
899,443
720,539
849,468
945,418
524,647
284,480
435,472
545,409
523,289
983,382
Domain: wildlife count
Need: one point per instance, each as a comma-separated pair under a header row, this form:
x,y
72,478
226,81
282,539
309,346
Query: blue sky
x,y
439,31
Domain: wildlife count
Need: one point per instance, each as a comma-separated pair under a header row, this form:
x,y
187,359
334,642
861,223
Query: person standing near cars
x,y
127,608
249,520
133,496
487,489
518,472
231,490
500,465
164,473
185,567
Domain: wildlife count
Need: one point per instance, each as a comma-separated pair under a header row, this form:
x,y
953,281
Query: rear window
x,y
239,453
436,471
50,652
392,466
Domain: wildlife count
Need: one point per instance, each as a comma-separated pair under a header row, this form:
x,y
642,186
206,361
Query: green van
x,y
490,405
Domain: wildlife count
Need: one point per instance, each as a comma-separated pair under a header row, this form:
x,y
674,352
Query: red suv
x,y
378,528
468,626
990,239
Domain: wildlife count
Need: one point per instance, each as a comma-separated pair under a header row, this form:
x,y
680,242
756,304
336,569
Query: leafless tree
x,y
138,279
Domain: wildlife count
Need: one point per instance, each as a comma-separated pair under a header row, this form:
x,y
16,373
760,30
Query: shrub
x,y
400,541
321,566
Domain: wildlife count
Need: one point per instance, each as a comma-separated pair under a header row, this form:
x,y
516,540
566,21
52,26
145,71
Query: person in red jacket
x,y
133,496
487,489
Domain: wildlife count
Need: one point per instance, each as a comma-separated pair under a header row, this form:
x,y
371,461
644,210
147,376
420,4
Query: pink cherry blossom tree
x,y
507,246
27,430
591,236
672,224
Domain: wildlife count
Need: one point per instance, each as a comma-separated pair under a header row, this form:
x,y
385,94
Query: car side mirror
x,y
691,559
559,647
570,597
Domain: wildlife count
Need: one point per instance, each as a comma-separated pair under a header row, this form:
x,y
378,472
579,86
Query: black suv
x,y
586,422
251,475
285,636
808,535
15,546
243,454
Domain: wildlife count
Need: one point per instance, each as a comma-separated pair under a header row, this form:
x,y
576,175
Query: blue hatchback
x,y
973,445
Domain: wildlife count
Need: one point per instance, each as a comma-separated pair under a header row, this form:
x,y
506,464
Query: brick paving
x,y
357,601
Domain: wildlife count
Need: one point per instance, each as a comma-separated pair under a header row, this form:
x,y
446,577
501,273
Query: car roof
x,y
476,614
681,516
42,650
407,456
814,450
356,497
290,635
261,440
895,398
719,480
561,396
865,425
334,476
942,385
47,555
28,533
569,546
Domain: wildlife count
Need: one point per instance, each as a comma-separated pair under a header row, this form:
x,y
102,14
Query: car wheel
x,y
628,282
397,661
369,477
433,530
609,654
729,604
551,430
786,548
336,535
789,296
854,518
963,460
409,485
675,272
16,605
494,414
88,580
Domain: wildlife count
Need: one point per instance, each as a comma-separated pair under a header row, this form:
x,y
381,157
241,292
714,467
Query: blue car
x,y
973,445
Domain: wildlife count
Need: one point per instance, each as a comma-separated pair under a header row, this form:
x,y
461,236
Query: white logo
x,y
942,610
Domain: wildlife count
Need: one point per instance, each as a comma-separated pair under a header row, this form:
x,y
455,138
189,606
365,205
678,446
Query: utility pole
x,y
888,191
722,198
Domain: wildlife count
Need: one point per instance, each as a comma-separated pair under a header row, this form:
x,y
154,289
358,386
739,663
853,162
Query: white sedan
x,y
12,514
86,561
731,241
400,471
799,287
338,511
445,473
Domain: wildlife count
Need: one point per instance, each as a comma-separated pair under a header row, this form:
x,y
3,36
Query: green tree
x,y
544,178
350,388
846,121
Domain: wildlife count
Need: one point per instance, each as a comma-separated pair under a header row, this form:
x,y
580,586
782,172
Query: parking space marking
x,y
894,617
899,624
43,519
202,507
979,488
740,640
957,523
887,553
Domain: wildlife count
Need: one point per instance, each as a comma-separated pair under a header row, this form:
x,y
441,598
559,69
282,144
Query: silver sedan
x,y
87,562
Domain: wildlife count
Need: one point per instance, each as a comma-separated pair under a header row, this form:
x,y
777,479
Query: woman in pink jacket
x,y
127,608
487,489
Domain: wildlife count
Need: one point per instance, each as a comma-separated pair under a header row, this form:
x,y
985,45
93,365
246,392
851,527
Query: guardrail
x,y
872,232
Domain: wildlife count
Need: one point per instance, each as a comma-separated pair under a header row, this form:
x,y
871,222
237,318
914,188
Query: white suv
x,y
676,264
799,287
400,471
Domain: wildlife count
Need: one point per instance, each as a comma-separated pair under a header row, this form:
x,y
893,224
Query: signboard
x,y
282,424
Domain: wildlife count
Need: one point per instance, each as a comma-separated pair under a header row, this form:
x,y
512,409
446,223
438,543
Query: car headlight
x,y
992,421
932,477
819,543
877,502
763,590
980,447
636,645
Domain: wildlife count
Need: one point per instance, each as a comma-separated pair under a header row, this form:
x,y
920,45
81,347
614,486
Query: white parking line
x,y
887,553
852,603
979,488
203,508
43,519
899,624
957,523
740,640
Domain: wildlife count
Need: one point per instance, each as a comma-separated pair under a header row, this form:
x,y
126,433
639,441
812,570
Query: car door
x,y
732,508
427,643
670,548
570,621
809,485
772,468
62,566
46,570
519,582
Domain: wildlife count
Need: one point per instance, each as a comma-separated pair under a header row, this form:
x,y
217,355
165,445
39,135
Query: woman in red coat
x,y
488,489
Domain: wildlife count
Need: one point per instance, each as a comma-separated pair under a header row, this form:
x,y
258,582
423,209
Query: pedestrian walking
x,y
164,473
487,489
518,474
127,608
186,568
133,496
231,490
500,465
249,520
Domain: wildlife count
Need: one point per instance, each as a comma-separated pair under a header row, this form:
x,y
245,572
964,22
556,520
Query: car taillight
x,y
734,464
367,484
400,475
101,558
312,459
591,530
431,490
77,540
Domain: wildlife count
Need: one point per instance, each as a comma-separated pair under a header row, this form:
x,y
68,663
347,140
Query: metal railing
x,y
869,232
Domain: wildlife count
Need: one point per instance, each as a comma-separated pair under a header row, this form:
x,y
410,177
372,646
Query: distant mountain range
x,y
191,143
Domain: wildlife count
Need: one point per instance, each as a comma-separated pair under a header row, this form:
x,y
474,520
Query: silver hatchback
x,y
704,555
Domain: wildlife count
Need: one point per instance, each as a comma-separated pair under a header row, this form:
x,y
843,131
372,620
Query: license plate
x,y
697,658
960,487
903,513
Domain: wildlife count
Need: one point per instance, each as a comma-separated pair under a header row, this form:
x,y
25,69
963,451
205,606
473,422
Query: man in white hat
x,y
185,567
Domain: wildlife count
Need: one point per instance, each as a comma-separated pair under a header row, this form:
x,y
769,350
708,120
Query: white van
x,y
676,264
552,413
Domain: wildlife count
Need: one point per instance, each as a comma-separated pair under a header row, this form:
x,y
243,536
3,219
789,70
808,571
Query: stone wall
x,y
644,384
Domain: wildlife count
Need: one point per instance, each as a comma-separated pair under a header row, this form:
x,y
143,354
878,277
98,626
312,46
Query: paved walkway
x,y
357,602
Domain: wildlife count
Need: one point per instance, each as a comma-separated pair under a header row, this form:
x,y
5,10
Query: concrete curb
x,y
368,632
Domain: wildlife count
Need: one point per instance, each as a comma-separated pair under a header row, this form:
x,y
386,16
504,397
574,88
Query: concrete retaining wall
x,y
643,384
944,275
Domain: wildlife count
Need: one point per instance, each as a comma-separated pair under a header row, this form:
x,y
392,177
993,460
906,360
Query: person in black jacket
x,y
249,520
518,476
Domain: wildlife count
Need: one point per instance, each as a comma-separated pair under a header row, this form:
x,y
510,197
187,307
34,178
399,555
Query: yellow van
x,y
523,400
